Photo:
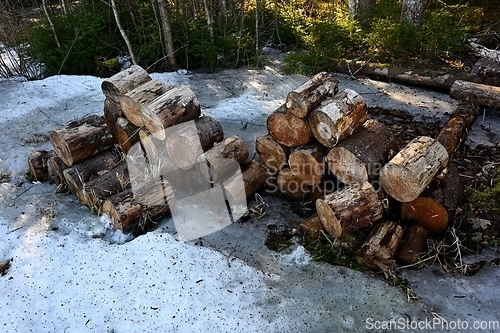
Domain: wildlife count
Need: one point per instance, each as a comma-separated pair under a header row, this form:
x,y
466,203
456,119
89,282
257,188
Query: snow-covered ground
x,y
70,273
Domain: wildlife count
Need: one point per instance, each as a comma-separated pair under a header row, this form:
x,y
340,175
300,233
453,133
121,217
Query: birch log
x,y
121,83
476,93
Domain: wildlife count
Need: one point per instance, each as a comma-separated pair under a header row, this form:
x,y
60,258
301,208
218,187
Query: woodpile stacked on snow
x,y
89,153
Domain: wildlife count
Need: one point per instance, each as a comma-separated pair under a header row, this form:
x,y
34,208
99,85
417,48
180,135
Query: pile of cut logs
x,y
89,155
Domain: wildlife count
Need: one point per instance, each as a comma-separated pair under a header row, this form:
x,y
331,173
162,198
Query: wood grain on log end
x,y
290,185
310,229
287,129
273,155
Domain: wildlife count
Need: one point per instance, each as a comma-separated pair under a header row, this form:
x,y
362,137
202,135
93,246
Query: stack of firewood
x,y
89,156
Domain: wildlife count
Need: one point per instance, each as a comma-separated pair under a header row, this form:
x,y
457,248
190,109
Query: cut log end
x,y
287,129
346,166
426,213
400,183
328,219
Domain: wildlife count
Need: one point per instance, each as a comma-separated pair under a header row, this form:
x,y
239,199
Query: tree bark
x,y
167,35
37,163
254,175
476,93
112,111
123,32
125,133
301,101
176,106
338,117
287,129
412,244
485,52
486,71
306,163
273,155
360,157
55,168
310,229
457,127
289,185
81,139
121,83
413,12
359,9
350,209
408,173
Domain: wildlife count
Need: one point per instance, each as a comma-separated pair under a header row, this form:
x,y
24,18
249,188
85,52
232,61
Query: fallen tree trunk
x,y
349,209
125,134
338,117
289,185
484,51
486,71
360,157
273,155
412,244
408,173
310,229
176,106
55,169
457,127
476,93
301,101
37,163
119,84
287,129
306,163
81,139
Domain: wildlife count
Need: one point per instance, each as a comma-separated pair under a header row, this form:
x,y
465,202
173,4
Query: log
x,y
484,51
301,101
338,117
153,147
273,155
456,129
287,129
380,246
288,185
253,175
112,111
125,134
486,71
176,106
271,183
80,174
408,173
306,163
80,139
37,163
360,157
121,83
476,93
412,244
350,209
55,169
324,187
188,141
132,102
310,229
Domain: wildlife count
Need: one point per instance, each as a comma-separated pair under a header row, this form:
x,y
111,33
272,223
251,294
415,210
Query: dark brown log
x,y
457,127
81,139
380,246
55,169
80,174
37,162
176,106
360,157
408,173
486,71
301,101
476,93
125,133
273,155
271,183
289,185
287,129
124,81
112,111
253,175
323,188
188,142
306,163
310,229
133,101
338,117
412,244
345,211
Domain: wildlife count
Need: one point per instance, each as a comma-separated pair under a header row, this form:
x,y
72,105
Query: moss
x,y
487,198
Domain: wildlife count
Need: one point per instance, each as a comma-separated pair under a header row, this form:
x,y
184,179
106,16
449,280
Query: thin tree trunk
x,y
122,32
210,22
167,34
257,11
413,12
52,27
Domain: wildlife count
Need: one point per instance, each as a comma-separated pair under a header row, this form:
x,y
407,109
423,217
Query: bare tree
x,y
210,21
123,32
413,12
167,34
51,24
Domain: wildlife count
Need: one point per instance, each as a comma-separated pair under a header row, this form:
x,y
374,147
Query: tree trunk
x,y
289,185
273,155
210,22
167,34
306,163
123,32
51,24
310,229
350,209
112,111
134,100
176,106
476,93
485,52
123,82
486,71
360,157
412,244
338,117
408,173
457,127
287,129
301,101
125,134
413,12
380,247
188,141
55,168
359,9
37,162
81,139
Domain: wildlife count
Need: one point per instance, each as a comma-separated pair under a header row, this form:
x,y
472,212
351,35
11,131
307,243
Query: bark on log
x,y
338,117
360,157
324,187
80,174
287,129
125,133
301,101
484,51
176,106
81,139
187,143
37,162
121,83
412,244
408,173
310,229
254,175
112,111
306,163
380,246
486,71
457,127
273,155
55,169
350,209
476,93
289,185
153,147
132,102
